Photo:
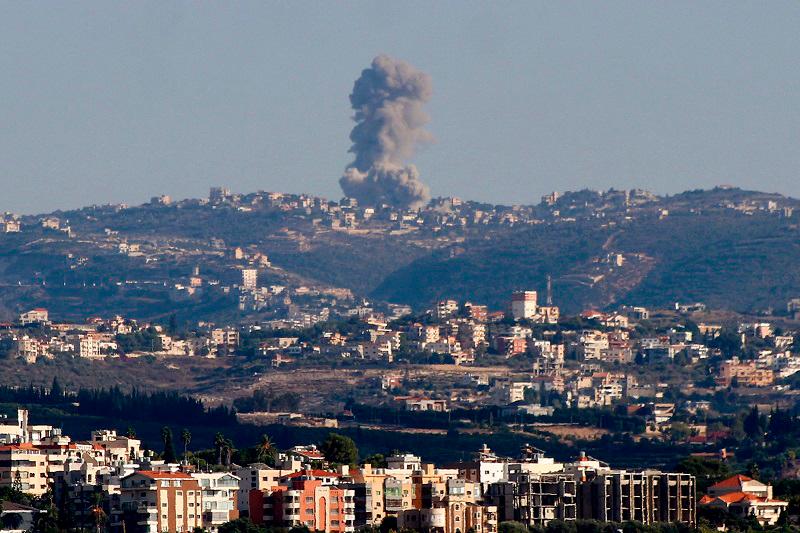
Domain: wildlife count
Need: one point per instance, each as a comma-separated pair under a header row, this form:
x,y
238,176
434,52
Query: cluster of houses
x,y
110,474
601,349
35,336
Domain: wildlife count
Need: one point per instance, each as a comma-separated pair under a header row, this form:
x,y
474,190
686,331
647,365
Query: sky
x,y
109,102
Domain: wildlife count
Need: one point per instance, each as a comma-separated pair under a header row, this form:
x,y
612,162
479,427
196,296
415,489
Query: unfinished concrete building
x,y
535,499
646,497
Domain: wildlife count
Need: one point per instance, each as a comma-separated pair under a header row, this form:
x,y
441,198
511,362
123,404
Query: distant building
x,y
34,316
217,195
10,226
523,304
745,373
249,278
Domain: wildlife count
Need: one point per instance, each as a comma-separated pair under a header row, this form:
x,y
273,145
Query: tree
x,y
728,341
706,471
229,449
56,391
340,449
240,525
679,432
377,460
46,522
98,514
512,527
266,450
219,445
754,424
186,438
169,449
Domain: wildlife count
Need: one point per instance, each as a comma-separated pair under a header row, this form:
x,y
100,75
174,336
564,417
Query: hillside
x,y
725,247
729,261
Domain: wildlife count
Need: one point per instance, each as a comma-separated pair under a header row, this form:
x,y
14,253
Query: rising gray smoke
x,y
387,100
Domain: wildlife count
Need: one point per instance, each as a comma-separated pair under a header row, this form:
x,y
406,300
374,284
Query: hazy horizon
x,y
116,103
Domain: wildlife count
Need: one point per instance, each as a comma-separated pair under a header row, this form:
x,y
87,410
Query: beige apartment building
x,y
25,467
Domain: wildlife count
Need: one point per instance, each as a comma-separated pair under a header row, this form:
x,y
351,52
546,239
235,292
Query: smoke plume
x,y
388,100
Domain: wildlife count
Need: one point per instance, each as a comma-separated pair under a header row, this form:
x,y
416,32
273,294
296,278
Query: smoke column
x,y
387,100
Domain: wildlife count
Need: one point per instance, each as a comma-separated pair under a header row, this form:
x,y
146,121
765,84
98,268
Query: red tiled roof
x,y
732,482
23,446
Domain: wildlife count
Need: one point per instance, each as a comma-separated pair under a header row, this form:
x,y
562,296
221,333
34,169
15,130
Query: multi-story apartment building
x,y
14,431
535,499
450,506
225,340
249,278
313,499
746,373
23,466
219,491
118,448
152,502
257,479
647,497
446,309
523,305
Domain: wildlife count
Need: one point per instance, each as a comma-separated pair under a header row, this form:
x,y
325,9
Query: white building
x,y
219,490
523,304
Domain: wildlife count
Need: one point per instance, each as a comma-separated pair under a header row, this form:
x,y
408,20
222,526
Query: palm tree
x,y
98,513
186,438
266,450
219,445
229,449
47,522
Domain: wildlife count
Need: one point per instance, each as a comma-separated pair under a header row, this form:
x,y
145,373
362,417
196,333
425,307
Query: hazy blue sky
x,y
120,101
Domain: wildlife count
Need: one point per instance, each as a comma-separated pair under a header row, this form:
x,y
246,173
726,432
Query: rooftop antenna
x,y
549,291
